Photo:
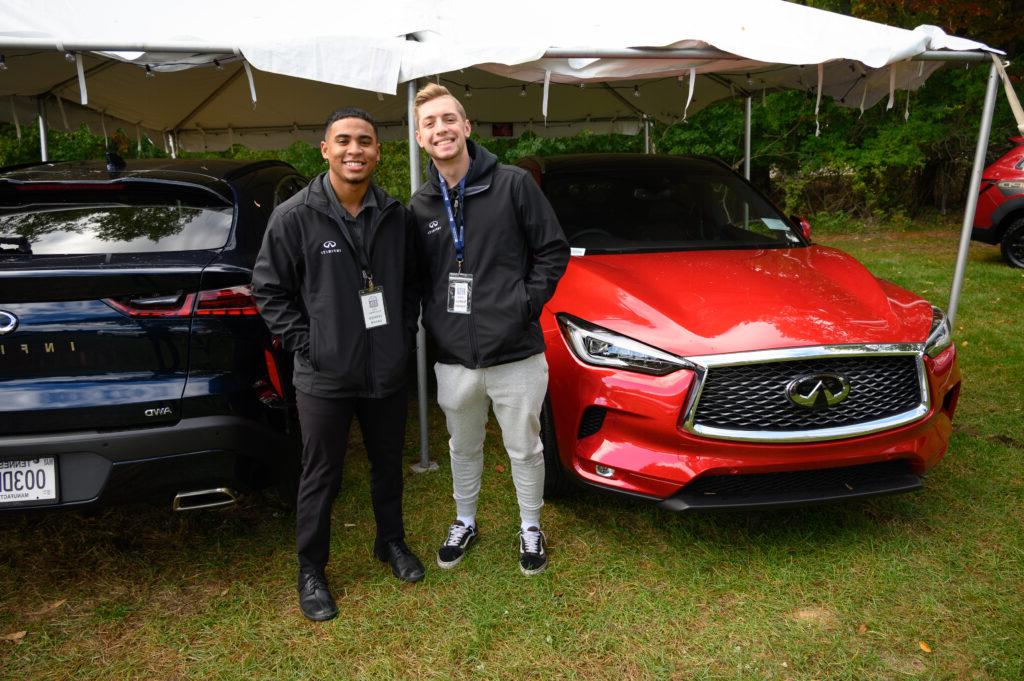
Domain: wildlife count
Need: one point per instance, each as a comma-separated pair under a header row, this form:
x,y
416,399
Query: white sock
x,y
467,520
525,526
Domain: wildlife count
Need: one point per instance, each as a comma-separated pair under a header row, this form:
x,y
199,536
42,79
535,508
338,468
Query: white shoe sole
x,y
450,564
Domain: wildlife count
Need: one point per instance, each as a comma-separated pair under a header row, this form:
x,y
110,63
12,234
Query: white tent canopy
x,y
186,72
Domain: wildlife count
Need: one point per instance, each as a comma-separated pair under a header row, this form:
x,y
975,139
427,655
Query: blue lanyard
x,y
458,230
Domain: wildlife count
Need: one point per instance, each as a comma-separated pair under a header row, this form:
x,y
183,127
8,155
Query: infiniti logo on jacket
x,y
330,247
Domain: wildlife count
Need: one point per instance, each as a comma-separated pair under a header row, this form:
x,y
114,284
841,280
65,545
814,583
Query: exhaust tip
x,y
217,497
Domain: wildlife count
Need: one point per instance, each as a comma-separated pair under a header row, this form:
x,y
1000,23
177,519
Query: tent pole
x,y
647,134
424,464
972,192
746,137
44,155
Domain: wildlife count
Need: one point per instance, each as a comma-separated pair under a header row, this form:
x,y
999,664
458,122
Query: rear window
x,y
636,209
78,220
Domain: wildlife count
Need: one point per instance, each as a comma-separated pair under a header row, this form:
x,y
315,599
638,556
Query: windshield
x,y
58,221
664,209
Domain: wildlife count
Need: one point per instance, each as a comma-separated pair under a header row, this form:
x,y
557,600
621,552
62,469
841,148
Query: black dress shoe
x,y
315,598
404,564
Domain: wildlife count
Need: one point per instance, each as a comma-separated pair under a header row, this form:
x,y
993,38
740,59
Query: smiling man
x,y
492,252
334,281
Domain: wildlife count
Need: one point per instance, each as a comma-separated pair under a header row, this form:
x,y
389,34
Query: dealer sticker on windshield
x,y
775,224
28,480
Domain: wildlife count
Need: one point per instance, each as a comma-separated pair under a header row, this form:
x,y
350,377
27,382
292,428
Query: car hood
x,y
708,302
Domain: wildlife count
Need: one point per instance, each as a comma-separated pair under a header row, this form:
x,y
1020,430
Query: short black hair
x,y
351,112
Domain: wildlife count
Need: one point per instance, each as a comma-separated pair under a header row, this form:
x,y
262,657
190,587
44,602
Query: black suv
x,y
134,365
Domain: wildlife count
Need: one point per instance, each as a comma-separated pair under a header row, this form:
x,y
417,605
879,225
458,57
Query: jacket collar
x,y
317,199
478,179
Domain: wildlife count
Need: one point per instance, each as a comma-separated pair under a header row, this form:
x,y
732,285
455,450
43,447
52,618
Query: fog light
x,y
604,471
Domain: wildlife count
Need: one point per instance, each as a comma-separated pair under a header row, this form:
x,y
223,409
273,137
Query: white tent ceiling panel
x,y
303,67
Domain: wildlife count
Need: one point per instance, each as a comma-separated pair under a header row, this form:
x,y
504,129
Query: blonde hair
x,y
432,91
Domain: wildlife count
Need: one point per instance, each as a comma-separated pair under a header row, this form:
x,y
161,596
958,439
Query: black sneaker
x,y
460,538
533,557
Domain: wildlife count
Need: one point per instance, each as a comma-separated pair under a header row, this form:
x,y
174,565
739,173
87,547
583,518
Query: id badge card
x,y
460,293
374,312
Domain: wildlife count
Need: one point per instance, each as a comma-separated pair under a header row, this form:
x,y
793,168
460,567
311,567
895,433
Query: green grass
x,y
835,592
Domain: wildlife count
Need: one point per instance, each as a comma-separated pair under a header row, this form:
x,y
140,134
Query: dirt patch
x,y
816,615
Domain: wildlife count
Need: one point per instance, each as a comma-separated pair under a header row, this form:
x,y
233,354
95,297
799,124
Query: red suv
x,y
999,218
703,353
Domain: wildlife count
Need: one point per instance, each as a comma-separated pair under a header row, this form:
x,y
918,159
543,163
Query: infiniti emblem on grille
x,y
8,322
818,391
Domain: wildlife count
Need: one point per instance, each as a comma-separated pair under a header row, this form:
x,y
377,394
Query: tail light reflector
x,y
272,373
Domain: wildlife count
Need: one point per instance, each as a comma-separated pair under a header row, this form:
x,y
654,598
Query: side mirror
x,y
805,227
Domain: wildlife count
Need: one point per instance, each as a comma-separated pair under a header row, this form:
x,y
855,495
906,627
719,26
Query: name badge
x,y
374,312
460,293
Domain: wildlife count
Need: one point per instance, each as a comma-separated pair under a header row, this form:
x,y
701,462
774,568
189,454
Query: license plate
x,y
28,481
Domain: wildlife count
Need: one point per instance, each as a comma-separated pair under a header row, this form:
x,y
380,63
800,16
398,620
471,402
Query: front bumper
x,y
152,464
985,235
641,450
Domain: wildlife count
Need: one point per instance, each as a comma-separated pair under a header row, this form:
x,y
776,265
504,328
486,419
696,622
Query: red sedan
x,y
704,354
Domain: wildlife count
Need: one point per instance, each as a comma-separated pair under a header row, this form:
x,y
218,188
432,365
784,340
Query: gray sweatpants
x,y
517,391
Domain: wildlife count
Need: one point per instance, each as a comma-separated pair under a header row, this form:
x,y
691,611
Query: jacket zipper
x,y
472,325
370,383
472,341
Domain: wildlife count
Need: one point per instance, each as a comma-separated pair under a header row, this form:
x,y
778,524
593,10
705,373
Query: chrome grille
x,y
752,397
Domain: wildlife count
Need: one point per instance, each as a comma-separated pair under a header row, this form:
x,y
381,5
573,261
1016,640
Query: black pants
x,y
325,425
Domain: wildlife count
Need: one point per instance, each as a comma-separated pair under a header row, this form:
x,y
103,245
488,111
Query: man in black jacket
x,y
334,279
491,253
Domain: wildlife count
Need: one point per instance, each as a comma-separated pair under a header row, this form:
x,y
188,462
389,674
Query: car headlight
x,y
941,336
601,347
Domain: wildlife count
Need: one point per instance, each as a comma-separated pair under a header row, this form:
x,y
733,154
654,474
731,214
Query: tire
x,y
557,481
1012,244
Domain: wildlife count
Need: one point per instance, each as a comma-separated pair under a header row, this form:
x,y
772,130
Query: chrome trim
x,y
8,322
706,362
181,500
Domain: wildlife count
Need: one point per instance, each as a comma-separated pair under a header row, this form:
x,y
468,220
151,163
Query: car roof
x,y
209,173
570,163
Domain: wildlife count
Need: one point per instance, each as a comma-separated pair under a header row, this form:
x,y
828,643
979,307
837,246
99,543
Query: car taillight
x,y
236,301
226,302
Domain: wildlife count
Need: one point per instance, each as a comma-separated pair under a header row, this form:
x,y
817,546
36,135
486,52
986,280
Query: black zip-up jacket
x,y
515,250
306,283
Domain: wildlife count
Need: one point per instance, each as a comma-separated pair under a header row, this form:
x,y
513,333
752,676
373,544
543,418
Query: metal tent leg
x,y
424,464
746,137
972,192
44,154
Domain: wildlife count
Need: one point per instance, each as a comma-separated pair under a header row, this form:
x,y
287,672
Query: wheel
x,y
1012,244
557,481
